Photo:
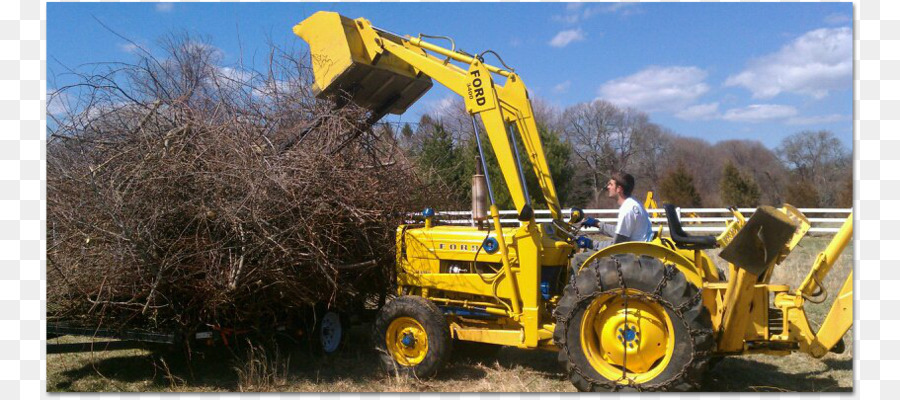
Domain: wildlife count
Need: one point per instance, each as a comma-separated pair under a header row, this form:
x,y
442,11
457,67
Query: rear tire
x,y
412,337
596,332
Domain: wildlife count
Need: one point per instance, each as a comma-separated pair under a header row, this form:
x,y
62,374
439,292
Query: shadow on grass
x,y
159,368
119,369
843,364
358,367
746,375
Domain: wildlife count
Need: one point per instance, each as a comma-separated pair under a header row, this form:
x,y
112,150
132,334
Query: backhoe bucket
x,y
344,66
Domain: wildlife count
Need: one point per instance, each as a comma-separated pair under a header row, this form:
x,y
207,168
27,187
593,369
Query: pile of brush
x,y
182,194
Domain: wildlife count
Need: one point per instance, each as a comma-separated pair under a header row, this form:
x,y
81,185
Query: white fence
x,y
701,220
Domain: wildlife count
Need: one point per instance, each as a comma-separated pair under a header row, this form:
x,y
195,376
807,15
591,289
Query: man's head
x,y
620,185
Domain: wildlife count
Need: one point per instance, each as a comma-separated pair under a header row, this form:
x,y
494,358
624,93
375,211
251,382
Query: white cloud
x,y
562,87
58,103
442,107
236,75
812,65
128,47
572,15
759,113
818,119
164,7
564,38
699,112
577,12
623,8
657,88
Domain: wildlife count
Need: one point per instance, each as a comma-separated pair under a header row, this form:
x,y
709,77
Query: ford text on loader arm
x,y
644,316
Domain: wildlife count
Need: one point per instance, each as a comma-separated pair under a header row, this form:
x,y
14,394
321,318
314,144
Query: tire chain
x,y
668,273
678,310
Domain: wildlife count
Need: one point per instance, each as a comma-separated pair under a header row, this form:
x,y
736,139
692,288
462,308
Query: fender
x,y
656,250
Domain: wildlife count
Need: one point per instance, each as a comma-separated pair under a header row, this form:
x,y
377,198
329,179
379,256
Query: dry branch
x,y
175,199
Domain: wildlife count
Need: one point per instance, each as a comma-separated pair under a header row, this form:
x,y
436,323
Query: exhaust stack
x,y
479,195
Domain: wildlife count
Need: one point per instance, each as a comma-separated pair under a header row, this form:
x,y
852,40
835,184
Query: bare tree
x,y
819,158
648,161
604,138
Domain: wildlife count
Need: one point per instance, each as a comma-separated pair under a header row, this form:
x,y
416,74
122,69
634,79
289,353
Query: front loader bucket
x,y
343,66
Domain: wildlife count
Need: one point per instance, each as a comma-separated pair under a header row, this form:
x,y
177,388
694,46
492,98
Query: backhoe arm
x,y
840,316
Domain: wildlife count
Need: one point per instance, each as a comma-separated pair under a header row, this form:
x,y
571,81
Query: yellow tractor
x,y
634,316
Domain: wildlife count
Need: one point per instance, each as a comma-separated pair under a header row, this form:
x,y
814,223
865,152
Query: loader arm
x,y
500,107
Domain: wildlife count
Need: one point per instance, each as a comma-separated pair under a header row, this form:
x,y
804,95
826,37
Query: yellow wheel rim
x,y
627,346
407,341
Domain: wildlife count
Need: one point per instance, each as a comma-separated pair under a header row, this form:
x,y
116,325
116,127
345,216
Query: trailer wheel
x,y
633,323
331,329
412,337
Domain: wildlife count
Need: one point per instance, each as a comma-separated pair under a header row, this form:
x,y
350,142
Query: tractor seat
x,y
682,239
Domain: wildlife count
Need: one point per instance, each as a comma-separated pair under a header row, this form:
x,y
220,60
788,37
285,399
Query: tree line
x,y
585,142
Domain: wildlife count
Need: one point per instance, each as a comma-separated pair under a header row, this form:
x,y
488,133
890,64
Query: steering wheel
x,y
566,231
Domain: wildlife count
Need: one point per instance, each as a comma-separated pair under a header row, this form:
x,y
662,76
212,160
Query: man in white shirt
x,y
633,224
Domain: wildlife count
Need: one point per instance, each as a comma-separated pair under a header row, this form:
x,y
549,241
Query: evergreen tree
x,y
678,188
441,162
558,154
738,189
406,132
406,136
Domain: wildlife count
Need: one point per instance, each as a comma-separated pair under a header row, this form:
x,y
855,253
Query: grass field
x,y
512,370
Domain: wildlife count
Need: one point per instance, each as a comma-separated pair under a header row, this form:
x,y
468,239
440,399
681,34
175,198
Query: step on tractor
x,y
633,316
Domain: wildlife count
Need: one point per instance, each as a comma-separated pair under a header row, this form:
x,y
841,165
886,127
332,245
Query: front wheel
x,y
631,323
412,337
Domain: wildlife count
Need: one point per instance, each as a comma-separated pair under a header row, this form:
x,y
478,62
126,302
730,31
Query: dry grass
x,y
512,370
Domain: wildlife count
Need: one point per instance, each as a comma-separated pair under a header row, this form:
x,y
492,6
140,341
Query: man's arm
x,y
607,230
622,238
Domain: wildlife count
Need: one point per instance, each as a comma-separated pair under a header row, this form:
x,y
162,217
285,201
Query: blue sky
x,y
716,71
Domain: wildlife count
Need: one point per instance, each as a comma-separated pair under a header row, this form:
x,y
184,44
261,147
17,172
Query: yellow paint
x,y
731,229
650,204
827,258
345,52
480,95
503,337
839,318
414,351
640,339
518,112
736,317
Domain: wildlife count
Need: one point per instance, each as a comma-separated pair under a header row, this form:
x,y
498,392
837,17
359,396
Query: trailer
x,y
322,329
